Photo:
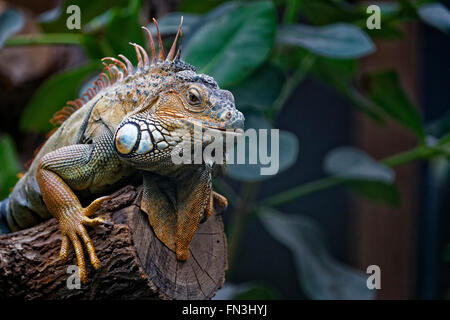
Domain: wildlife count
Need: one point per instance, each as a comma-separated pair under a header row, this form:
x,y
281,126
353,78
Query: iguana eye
x,y
194,97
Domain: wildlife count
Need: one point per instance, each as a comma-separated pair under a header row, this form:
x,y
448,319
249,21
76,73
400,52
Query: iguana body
x,y
130,125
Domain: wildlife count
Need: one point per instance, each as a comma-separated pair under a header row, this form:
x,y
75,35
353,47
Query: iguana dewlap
x,y
128,123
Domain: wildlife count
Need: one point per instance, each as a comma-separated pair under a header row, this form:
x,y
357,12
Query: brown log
x,y
135,264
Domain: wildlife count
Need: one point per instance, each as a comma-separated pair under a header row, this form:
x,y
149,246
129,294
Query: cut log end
x,y
135,264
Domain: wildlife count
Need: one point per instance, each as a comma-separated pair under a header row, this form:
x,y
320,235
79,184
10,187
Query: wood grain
x,y
135,264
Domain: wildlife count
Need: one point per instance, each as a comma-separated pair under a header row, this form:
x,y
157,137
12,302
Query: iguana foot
x,y
72,223
218,199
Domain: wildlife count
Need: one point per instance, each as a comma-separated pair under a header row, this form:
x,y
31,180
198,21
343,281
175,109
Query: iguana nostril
x,y
228,115
126,138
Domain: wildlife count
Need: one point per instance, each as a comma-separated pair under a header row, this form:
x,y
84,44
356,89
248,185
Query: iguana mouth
x,y
227,131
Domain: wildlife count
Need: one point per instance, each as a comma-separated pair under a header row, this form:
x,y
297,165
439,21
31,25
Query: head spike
x,y
161,49
138,55
177,57
64,112
98,85
70,109
117,62
74,104
171,53
101,83
144,54
130,68
114,71
112,80
87,93
117,73
152,45
105,77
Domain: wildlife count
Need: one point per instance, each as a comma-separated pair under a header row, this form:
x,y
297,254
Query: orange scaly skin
x,y
128,124
63,203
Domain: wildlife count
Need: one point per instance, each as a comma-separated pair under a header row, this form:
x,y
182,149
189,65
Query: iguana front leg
x,y
76,167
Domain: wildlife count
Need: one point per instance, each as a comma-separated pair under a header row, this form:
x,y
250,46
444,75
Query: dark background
x,y
409,243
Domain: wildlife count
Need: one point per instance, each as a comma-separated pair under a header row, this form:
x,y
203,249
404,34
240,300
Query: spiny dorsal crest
x,y
115,70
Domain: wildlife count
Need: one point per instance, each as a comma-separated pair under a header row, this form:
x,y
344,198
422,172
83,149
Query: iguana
x,y
128,123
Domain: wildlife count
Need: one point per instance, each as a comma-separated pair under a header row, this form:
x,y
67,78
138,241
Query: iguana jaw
x,y
224,131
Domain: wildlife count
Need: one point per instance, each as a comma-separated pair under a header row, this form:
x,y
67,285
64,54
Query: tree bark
x,y
135,264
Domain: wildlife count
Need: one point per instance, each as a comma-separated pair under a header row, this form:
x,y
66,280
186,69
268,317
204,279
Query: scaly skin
x,y
132,122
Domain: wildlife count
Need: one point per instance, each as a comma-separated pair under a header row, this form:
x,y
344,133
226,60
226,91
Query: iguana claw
x,y
72,223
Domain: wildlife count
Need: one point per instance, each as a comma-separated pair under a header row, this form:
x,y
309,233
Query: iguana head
x,y
178,101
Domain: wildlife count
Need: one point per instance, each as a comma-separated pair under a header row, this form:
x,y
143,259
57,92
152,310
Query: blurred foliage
x,y
320,275
362,174
385,91
237,43
11,22
53,94
10,165
259,51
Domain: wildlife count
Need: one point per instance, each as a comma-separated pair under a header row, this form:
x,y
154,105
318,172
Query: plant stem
x,y
292,83
40,39
419,152
302,190
291,12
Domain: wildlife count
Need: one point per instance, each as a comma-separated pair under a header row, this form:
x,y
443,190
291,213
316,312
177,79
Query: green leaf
x,y
378,191
352,163
287,154
261,89
231,47
123,28
99,22
52,96
322,12
319,274
339,40
363,175
93,47
335,72
9,163
386,91
211,15
11,22
436,15
199,7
